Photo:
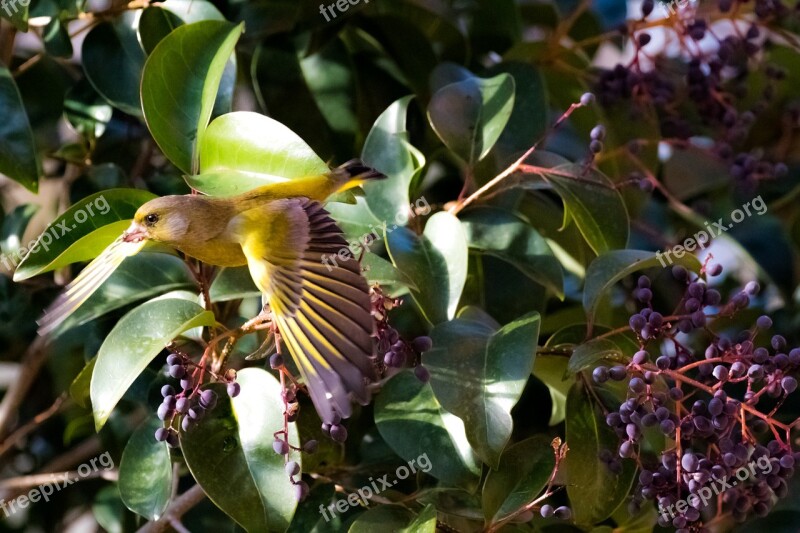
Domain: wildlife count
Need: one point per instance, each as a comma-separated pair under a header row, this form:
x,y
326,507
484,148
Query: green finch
x,y
281,232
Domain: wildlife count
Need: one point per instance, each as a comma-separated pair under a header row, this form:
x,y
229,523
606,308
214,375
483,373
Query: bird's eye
x,y
151,219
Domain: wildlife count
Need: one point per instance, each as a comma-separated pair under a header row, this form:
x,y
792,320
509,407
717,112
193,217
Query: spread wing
x,y
322,309
90,278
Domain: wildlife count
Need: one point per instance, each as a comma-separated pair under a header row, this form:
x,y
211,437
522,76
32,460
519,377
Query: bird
x,y
281,231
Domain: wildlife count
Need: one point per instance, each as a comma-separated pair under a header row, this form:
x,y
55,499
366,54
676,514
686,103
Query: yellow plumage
x,y
281,231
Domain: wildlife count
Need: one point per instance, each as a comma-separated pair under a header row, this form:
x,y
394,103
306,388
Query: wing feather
x,y
88,281
323,315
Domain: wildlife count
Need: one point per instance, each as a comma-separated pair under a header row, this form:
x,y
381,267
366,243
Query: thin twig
x,y
21,432
175,511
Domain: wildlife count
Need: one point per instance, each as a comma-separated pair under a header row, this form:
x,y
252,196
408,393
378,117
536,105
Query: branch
x,y
175,511
30,365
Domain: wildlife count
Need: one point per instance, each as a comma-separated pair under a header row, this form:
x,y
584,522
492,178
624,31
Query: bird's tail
x,y
354,173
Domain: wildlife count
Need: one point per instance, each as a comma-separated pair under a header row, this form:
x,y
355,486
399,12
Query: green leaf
x,y
13,229
413,424
185,68
478,374
145,472
594,204
230,454
425,522
504,235
589,354
383,517
86,110
233,283
18,158
308,517
139,277
521,475
56,38
157,21
136,339
469,116
82,231
388,150
113,61
436,262
692,171
611,267
552,371
243,150
79,388
108,510
594,491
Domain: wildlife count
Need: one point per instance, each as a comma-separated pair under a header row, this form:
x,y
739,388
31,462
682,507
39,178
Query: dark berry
x,y
280,446
338,433
422,344
233,389
292,468
276,361
422,373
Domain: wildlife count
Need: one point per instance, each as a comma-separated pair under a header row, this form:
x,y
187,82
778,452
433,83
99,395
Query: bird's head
x,y
163,220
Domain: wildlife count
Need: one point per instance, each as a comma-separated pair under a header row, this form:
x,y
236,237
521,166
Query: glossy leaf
x,y
611,267
388,517
243,150
136,339
157,21
113,61
594,491
231,447
594,204
233,283
521,475
436,262
145,472
187,67
388,150
469,116
504,235
425,521
86,110
478,374
591,353
552,371
18,158
82,231
413,423
13,230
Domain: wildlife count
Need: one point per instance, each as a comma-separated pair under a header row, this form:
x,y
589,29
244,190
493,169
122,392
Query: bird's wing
x,y
322,309
90,278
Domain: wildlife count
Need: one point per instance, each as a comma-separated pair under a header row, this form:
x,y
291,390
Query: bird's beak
x,y
135,233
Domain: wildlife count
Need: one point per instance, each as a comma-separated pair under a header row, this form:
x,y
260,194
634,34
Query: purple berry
x,y
233,389
301,490
310,446
338,433
161,434
167,390
764,322
276,361
422,373
546,511
422,344
174,359
177,371
281,447
587,98
163,411
563,513
292,468
182,405
208,399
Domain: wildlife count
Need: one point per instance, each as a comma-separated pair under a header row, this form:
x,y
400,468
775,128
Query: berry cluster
x,y
701,97
701,391
190,405
395,351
